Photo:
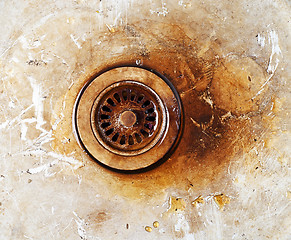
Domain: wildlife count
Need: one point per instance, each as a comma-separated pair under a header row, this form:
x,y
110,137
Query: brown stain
x,y
220,117
99,217
96,220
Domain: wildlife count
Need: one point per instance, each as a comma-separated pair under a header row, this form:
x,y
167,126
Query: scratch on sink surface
x,y
261,40
37,101
274,59
74,163
276,52
42,168
79,179
35,144
204,126
116,19
61,59
198,201
207,98
11,46
75,40
70,160
53,210
195,123
67,225
110,28
81,226
229,168
28,237
187,91
9,123
226,116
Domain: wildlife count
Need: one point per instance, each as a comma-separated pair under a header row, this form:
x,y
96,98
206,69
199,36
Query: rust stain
x,y
220,116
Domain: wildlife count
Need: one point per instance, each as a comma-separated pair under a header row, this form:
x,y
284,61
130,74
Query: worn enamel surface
x,y
229,176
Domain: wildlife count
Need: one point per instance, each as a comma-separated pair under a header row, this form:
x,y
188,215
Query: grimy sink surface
x,y
217,75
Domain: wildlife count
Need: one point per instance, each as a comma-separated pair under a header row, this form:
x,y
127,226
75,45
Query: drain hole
x,y
144,133
140,98
127,119
104,116
149,126
124,95
110,101
151,119
117,97
133,95
106,109
138,138
146,103
105,124
151,110
130,140
115,137
122,140
108,132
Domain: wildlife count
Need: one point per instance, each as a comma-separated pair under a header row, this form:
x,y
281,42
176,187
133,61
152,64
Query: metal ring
x,y
127,154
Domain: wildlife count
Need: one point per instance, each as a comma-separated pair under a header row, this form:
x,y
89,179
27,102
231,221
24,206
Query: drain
x,y
127,118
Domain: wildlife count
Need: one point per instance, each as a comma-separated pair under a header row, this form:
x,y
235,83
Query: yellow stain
x,y
197,201
148,229
176,204
156,224
221,200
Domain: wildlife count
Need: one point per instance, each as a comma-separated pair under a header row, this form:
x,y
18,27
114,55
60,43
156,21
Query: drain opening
x,y
124,110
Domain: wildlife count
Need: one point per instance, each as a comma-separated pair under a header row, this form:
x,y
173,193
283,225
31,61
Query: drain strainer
x,y
127,118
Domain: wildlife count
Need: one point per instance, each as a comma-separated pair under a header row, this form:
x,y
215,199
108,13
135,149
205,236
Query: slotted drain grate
x,y
127,118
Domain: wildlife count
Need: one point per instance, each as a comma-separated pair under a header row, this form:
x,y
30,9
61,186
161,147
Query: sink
x,y
214,161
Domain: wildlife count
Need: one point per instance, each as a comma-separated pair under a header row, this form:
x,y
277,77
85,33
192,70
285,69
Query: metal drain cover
x,y
127,118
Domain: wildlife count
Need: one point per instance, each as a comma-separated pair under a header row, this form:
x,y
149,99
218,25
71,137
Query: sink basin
x,y
219,168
